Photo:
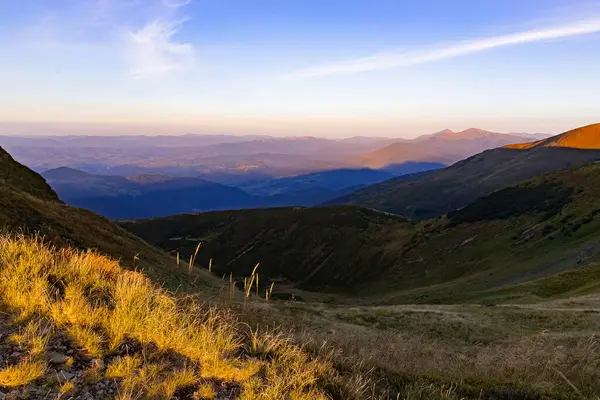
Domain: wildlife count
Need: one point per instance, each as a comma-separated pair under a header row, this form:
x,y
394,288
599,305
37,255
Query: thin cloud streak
x,y
395,60
176,3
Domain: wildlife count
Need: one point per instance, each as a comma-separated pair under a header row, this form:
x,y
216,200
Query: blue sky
x,y
299,67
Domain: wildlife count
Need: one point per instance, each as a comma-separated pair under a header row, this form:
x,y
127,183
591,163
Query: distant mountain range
x,y
433,193
238,160
143,176
144,195
153,195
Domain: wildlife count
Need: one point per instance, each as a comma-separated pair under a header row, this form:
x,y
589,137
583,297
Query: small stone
x,y
66,375
12,395
2,396
98,363
24,394
56,358
16,354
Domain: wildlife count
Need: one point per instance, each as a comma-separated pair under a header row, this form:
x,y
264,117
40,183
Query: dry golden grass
x,y
33,338
123,366
66,388
101,307
206,391
156,381
23,373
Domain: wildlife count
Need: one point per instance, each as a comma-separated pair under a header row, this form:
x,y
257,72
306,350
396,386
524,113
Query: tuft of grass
x,y
66,388
206,391
25,372
155,381
33,338
88,338
123,366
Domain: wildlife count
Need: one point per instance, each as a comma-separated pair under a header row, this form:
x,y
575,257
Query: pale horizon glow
x,y
333,128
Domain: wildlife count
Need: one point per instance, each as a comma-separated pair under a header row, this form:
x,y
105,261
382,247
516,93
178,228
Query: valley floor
x,y
529,351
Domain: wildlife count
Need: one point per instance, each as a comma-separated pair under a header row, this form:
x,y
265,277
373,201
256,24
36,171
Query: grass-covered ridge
x,y
119,327
15,176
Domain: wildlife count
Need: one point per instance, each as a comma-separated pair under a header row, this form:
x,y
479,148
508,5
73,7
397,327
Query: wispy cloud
x,y
145,34
153,50
401,59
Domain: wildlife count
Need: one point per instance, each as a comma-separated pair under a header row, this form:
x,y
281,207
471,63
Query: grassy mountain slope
x,y
587,137
431,194
535,230
77,325
316,248
28,205
14,176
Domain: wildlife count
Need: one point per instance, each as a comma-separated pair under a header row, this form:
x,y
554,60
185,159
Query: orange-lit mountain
x,y
585,138
446,147
434,193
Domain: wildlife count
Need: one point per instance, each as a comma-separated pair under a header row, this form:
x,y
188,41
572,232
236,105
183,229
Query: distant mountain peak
x,y
475,130
467,134
64,173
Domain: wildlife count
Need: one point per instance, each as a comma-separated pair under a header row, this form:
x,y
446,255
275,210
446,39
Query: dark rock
x,y
66,375
56,358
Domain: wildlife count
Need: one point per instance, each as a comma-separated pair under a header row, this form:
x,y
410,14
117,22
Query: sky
x,y
330,68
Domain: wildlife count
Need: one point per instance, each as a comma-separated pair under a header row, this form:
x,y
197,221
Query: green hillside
x,y
534,230
435,193
321,249
531,231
